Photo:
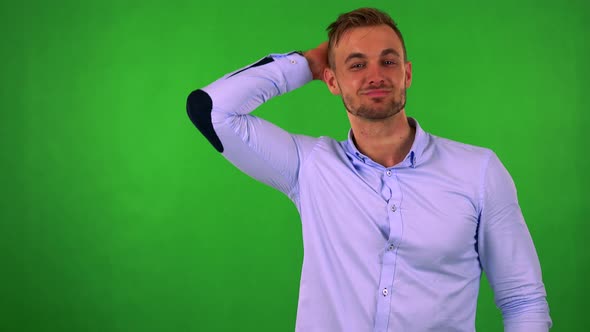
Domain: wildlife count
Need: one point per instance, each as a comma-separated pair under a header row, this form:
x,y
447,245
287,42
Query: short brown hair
x,y
362,17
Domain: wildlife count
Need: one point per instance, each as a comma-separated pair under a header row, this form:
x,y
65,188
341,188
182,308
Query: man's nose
x,y
375,75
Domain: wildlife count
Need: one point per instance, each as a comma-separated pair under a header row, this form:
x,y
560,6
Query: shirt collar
x,y
413,158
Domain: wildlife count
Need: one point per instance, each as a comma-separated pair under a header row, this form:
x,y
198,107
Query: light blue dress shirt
x,y
385,249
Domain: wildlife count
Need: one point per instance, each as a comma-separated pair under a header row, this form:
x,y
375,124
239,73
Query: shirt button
x,y
393,208
391,247
385,292
388,173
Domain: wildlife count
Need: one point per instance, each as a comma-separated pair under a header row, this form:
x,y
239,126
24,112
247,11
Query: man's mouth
x,y
377,92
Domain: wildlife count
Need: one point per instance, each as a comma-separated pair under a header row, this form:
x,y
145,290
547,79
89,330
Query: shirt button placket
x,y
389,256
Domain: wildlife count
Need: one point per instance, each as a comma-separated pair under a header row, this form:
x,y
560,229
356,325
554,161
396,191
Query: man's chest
x,y
429,215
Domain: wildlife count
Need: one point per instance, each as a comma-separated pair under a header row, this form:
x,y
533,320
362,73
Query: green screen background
x,y
117,215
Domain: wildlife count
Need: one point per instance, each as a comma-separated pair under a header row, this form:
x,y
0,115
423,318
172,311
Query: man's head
x,y
368,64
358,18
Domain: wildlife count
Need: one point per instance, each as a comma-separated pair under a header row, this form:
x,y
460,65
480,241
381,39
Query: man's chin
x,y
374,115
378,108
378,112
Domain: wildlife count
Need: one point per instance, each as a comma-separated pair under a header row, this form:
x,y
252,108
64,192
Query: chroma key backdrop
x,y
116,214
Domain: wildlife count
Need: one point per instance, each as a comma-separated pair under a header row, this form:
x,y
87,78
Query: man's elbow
x,y
199,107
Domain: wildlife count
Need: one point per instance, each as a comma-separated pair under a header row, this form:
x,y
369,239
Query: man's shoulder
x,y
460,147
309,143
459,151
309,147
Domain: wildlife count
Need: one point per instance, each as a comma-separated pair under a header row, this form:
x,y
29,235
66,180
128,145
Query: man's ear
x,y
408,77
331,82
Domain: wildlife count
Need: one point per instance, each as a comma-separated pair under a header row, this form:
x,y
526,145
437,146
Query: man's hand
x,y
318,60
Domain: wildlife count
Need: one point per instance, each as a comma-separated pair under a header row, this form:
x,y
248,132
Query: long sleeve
x,y
508,255
221,111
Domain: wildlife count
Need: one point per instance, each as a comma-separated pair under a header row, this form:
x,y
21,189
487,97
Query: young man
x,y
397,223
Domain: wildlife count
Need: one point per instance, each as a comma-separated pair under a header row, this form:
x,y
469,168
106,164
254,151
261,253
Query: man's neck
x,y
386,142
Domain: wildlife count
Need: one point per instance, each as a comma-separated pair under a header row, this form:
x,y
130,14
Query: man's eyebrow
x,y
389,51
355,56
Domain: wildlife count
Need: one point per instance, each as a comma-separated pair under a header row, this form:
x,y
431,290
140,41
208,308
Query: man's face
x,y
370,73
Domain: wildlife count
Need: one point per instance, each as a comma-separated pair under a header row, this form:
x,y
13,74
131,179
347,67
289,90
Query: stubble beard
x,y
367,112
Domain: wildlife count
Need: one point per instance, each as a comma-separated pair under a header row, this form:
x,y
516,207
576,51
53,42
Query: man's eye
x,y
389,62
357,66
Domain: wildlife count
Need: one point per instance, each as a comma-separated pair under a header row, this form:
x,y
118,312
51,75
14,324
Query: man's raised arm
x,y
221,111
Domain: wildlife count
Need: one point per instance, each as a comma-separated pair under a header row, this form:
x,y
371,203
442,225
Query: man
x,y
397,224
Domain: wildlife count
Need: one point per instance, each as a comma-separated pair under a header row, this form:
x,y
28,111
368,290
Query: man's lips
x,y
377,92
